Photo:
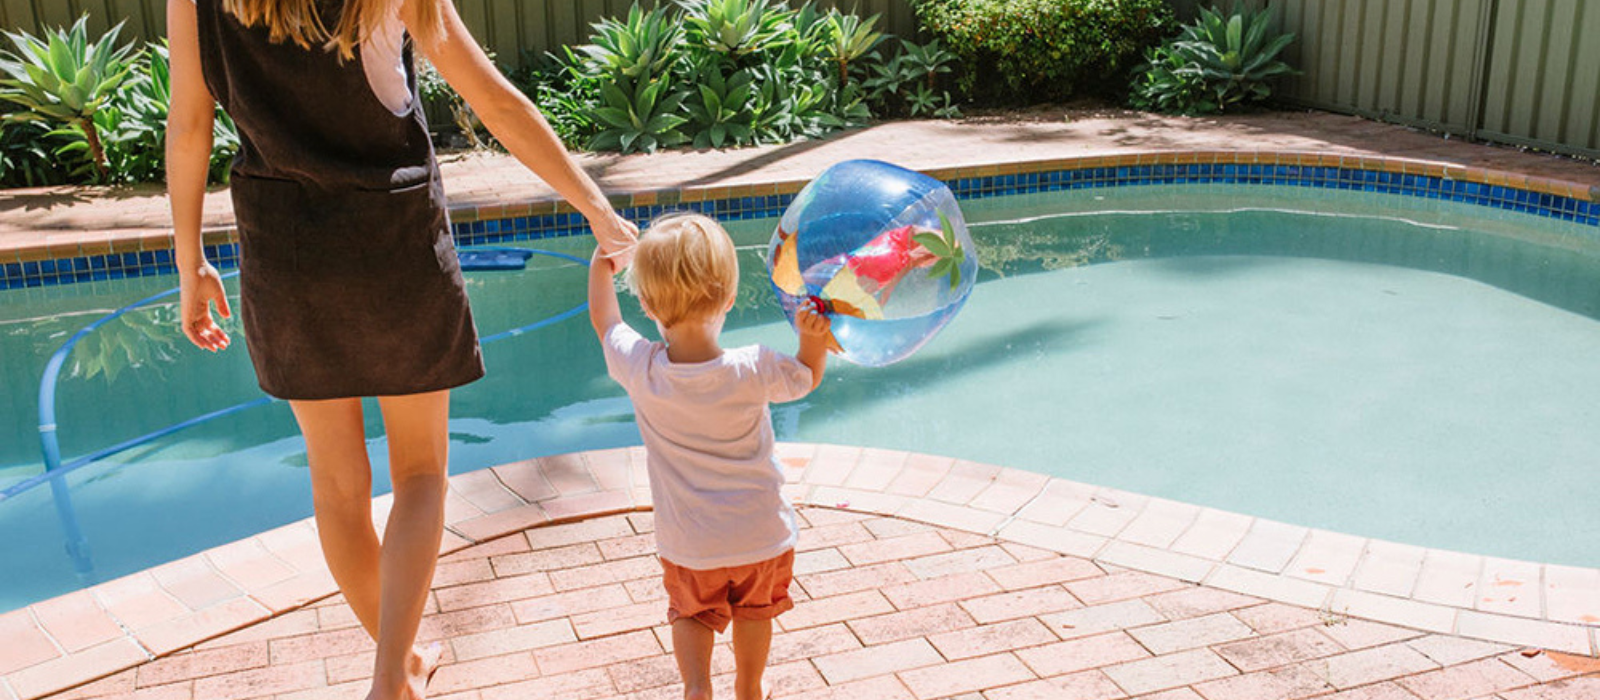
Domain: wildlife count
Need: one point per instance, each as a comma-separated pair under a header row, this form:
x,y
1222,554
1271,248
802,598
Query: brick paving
x,y
887,608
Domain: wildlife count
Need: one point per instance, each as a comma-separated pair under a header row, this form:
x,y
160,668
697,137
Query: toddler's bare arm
x,y
814,328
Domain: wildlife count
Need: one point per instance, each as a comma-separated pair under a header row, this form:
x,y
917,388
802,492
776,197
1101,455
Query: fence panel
x,y
1516,71
1544,78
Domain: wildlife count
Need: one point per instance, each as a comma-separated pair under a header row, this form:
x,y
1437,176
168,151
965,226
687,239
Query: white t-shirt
x,y
382,59
708,436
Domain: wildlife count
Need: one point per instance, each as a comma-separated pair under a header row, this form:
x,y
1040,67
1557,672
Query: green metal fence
x,y
503,26
1525,72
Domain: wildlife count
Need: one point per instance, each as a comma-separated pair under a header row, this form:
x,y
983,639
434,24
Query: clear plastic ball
x,y
883,250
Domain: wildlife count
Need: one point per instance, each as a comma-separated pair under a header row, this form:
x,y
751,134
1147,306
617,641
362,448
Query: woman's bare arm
x,y
517,123
190,120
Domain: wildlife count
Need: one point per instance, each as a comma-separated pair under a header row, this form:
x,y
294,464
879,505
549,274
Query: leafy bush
x,y
716,73
1218,62
27,154
1020,51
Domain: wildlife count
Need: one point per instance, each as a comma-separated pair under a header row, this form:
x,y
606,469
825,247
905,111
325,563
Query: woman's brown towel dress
x,y
348,280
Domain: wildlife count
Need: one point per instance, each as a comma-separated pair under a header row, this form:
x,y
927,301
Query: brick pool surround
x,y
67,641
88,256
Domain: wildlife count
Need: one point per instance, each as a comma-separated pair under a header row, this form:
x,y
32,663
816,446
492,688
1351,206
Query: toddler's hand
x,y
810,321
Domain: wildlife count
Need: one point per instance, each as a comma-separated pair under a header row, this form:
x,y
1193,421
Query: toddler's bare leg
x,y
752,640
691,646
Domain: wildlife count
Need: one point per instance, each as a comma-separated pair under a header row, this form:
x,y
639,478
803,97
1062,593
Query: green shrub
x,y
908,84
90,111
1022,51
1218,62
716,73
27,154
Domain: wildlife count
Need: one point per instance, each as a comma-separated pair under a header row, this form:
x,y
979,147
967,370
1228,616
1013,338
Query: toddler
x,y
724,532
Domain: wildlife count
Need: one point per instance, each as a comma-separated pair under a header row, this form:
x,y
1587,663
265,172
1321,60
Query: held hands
x,y
617,237
196,292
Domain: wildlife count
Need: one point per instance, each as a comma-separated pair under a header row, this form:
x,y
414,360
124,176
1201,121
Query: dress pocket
x,y
267,229
370,232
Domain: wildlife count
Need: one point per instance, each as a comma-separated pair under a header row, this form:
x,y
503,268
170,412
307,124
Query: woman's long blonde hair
x,y
300,22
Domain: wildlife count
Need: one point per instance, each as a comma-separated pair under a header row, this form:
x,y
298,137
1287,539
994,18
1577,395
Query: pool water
x,y
1383,366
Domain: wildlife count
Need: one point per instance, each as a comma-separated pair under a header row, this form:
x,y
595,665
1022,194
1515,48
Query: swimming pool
x,y
1407,369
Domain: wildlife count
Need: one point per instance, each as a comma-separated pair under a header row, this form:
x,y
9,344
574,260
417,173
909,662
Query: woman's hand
x,y
196,292
617,237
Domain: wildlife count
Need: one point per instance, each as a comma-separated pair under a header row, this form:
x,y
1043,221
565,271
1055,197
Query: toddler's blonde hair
x,y
684,269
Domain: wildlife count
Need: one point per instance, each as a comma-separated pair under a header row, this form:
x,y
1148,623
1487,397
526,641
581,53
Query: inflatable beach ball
x,y
883,250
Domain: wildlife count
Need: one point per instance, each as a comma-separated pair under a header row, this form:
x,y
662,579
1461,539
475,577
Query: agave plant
x,y
908,83
1168,84
738,27
640,47
1220,60
784,109
65,79
925,61
639,116
1235,53
852,38
722,115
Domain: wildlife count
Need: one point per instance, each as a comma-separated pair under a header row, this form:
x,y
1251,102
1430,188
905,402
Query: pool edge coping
x,y
254,579
137,240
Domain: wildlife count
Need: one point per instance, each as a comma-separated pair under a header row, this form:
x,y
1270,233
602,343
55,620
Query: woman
x,y
349,283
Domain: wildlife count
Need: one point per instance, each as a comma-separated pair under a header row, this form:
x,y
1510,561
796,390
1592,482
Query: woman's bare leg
x,y
341,485
417,427
341,493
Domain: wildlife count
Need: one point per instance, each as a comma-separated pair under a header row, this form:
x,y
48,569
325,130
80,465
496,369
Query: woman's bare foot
x,y
420,667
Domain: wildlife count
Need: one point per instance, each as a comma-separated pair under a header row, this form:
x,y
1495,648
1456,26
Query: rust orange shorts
x,y
758,591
